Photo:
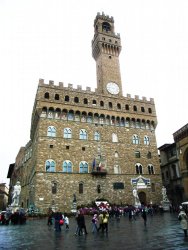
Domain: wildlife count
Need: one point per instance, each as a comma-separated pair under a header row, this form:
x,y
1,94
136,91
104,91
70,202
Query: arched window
x,y
149,155
46,95
110,105
138,168
112,121
117,169
90,117
67,167
66,98
76,99
51,131
50,166
44,112
70,115
83,167
135,108
54,187
83,134
85,101
118,106
67,133
81,188
57,113
101,103
56,97
50,113
150,169
114,137
126,107
146,140
106,27
142,109
97,136
94,102
116,155
135,139
150,110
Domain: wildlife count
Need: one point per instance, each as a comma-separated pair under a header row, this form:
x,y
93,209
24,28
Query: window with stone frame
x,y
54,187
67,166
117,169
83,134
51,132
97,136
81,188
137,154
67,133
149,155
135,139
139,168
46,95
146,140
56,96
50,166
114,137
83,167
150,169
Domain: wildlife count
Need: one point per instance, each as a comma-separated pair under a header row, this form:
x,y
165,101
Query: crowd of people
x,y
8,217
100,219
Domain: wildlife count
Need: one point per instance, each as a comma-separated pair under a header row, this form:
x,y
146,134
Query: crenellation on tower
x,y
41,81
79,87
61,84
51,82
70,86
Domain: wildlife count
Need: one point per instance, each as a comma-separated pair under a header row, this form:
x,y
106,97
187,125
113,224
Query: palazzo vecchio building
x,y
89,145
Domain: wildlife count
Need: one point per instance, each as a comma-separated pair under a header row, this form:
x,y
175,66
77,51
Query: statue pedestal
x,y
13,208
165,205
137,204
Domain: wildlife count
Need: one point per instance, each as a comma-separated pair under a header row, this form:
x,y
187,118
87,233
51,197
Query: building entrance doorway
x,y
142,197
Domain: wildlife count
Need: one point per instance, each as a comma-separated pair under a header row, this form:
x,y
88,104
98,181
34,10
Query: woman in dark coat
x,y
81,224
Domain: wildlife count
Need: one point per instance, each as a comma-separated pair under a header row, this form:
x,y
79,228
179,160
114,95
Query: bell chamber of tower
x,y
106,47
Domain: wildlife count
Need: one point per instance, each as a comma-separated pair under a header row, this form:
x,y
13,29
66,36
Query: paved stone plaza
x,y
163,232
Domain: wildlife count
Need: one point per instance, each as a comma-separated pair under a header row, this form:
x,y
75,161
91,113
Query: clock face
x,y
112,88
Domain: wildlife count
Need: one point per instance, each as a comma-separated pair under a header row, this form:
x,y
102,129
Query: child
x,y
66,222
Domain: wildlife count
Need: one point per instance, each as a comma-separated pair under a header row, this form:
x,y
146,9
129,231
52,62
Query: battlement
x,y
88,90
103,17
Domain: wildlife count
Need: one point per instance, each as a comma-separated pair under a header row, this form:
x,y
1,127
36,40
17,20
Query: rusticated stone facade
x,y
91,144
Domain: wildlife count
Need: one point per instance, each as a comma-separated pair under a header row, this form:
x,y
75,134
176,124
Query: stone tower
x,y
91,144
106,47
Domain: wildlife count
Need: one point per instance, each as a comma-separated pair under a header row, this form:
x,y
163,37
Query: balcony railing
x,y
99,171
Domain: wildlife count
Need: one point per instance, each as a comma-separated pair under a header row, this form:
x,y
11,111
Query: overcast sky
x,y
52,40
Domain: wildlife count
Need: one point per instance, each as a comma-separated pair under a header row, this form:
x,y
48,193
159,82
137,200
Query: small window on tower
x,y
110,57
106,27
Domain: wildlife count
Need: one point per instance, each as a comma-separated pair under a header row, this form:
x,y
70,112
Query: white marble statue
x,y
16,194
136,198
165,198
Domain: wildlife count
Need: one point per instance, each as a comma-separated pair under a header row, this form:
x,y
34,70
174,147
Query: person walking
x,y
66,222
94,223
57,218
182,217
144,216
105,221
81,224
100,219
